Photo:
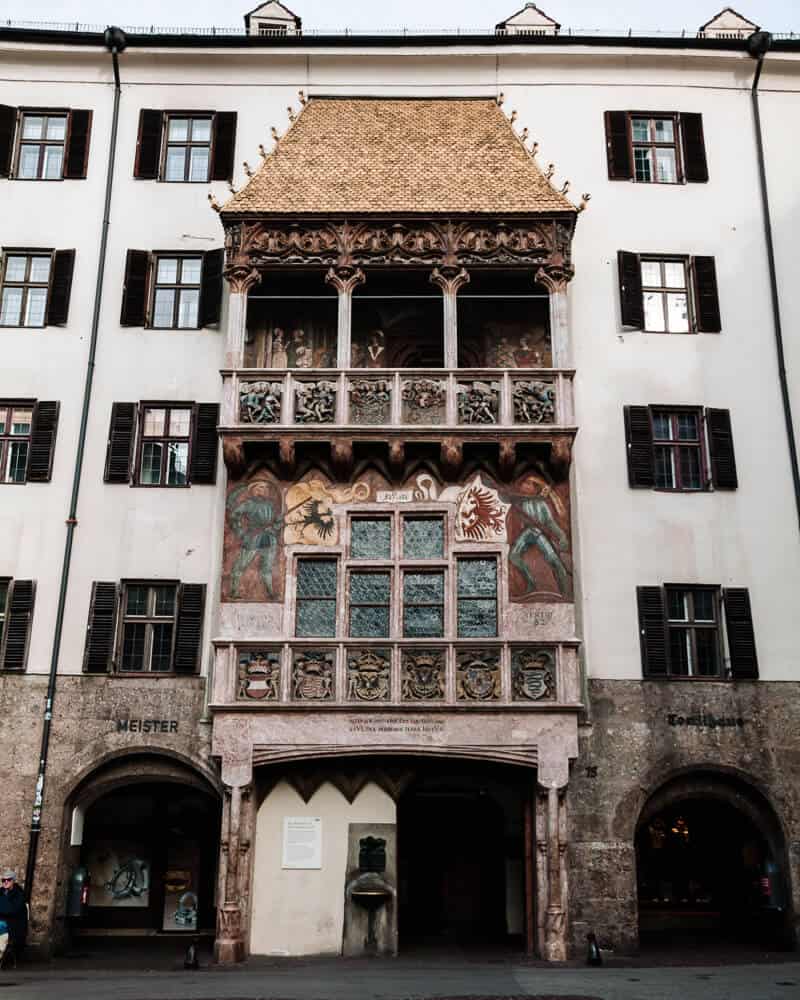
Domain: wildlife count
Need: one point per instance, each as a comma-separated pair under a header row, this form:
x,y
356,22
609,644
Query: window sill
x,y
682,679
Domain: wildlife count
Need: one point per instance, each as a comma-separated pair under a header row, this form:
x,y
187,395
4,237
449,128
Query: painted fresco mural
x,y
529,519
516,336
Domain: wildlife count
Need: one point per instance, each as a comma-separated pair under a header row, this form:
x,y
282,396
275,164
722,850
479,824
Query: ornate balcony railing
x,y
393,674
407,399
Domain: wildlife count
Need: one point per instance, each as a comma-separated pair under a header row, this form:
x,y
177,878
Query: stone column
x,y
241,277
344,280
229,946
553,868
450,280
555,278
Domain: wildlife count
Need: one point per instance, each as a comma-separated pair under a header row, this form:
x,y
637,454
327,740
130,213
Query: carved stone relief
x,y
423,675
259,675
478,675
533,674
534,402
313,675
260,402
478,402
370,401
368,675
315,402
424,401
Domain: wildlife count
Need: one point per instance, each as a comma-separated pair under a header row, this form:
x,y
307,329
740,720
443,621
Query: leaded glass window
x,y
423,538
370,602
423,605
477,598
371,538
147,627
316,598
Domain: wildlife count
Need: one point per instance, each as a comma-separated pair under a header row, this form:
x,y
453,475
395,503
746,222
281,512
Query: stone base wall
x,y
643,733
142,725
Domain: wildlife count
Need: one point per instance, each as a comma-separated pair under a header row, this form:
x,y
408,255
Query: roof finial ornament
x,y
248,169
585,199
534,149
551,169
261,151
524,134
301,94
500,99
292,115
565,187
275,134
231,188
213,202
513,117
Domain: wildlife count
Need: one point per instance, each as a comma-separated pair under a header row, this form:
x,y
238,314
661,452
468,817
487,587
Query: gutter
x,y
758,45
115,41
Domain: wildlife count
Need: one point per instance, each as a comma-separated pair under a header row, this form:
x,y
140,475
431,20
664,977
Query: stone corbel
x,y
233,456
451,458
342,458
345,279
561,451
556,274
397,458
449,279
242,275
288,460
507,459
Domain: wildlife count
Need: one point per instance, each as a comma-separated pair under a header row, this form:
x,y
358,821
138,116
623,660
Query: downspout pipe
x,y
758,44
115,41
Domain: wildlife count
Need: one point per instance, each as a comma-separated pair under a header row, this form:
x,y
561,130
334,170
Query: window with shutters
x,y
678,450
26,284
650,147
176,292
185,146
188,148
665,294
164,445
16,423
17,599
693,636
172,291
669,293
148,627
40,144
656,159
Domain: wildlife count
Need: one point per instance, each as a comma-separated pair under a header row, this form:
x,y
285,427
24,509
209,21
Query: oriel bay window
x,y
36,287
398,321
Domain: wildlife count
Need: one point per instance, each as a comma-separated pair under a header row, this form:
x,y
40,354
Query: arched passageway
x,y
711,867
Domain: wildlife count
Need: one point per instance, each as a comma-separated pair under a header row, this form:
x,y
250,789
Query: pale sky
x,y
640,15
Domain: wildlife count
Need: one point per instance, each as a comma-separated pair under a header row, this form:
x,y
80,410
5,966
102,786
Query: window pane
x,y
707,652
180,421
188,305
422,622
35,307
664,130
167,273
316,619
53,158
198,163
178,129
371,538
40,270
177,462
477,578
423,588
163,308
423,538
17,461
161,656
664,469
15,268
201,130
3,416
175,167
665,166
662,427
316,578
704,606
154,422
136,599
677,313
680,651
32,126
477,618
687,427
11,307
677,605
151,463
370,588
641,163
28,162
369,622
654,312
133,638
691,476
651,273
56,128
674,274
640,129
164,601
190,270
21,421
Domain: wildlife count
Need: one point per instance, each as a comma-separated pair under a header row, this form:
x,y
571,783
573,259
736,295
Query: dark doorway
x,y
151,852
455,850
707,876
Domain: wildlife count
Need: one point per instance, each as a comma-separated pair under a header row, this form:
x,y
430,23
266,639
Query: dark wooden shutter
x,y
639,442
652,631
706,296
631,300
618,146
720,448
148,145
120,443
43,442
60,287
8,126
695,167
18,624
741,638
189,627
76,160
211,295
223,146
134,291
101,629
204,445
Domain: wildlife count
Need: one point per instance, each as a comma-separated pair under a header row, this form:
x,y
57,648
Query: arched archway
x,y
145,826
711,865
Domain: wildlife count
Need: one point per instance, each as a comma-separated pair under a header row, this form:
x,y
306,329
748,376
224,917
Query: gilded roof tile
x,y
348,156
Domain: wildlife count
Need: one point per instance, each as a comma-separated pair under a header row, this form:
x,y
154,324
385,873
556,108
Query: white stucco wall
x,y
302,912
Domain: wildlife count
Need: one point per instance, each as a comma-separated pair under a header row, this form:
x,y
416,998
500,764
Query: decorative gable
x,y
727,24
528,21
272,18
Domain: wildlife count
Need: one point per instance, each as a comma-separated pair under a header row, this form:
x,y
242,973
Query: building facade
x,y
432,536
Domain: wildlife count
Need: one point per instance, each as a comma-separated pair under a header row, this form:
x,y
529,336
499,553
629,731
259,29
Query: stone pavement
x,y
405,978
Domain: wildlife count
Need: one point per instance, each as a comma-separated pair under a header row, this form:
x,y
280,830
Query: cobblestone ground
x,y
405,979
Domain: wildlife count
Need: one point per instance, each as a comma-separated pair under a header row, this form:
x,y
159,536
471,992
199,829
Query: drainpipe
x,y
758,44
115,42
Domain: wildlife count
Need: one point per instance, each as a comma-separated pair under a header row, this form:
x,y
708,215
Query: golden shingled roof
x,y
346,156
